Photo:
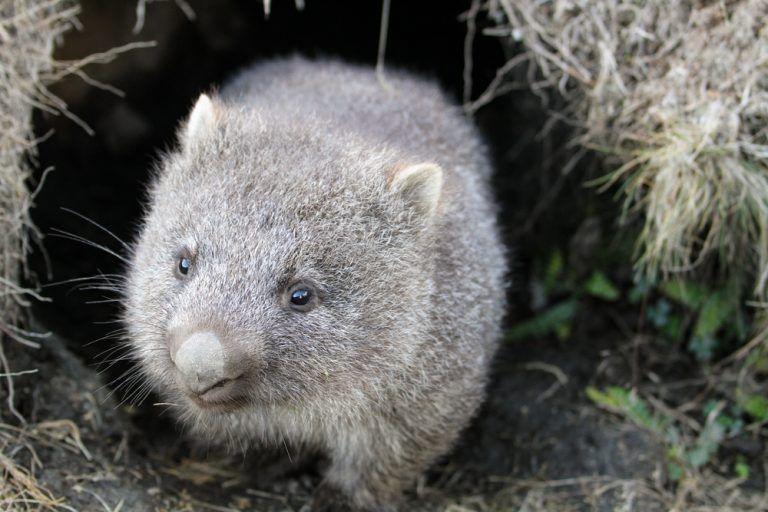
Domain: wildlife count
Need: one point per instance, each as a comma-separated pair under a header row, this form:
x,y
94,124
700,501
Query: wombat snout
x,y
203,361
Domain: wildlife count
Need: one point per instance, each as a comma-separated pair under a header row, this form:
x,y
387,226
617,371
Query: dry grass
x,y
593,492
29,31
19,489
678,91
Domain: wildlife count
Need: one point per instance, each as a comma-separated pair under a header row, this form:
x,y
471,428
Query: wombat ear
x,y
419,184
201,121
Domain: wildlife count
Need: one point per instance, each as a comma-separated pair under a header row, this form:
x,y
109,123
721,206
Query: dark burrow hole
x,y
102,176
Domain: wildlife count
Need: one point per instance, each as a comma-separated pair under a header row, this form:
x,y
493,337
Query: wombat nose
x,y
202,361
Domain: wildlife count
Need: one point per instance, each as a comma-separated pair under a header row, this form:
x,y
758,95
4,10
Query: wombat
x,y
320,266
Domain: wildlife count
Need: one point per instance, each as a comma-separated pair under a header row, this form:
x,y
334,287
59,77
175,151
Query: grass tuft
x,y
677,92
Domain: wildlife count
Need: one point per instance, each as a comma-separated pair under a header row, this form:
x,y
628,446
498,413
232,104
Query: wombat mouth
x,y
222,396
227,405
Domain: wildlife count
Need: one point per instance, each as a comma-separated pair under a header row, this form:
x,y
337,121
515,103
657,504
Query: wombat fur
x,y
374,198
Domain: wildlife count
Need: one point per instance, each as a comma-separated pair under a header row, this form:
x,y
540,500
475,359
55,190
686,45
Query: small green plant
x,y
552,283
713,319
598,285
620,400
756,406
687,448
555,319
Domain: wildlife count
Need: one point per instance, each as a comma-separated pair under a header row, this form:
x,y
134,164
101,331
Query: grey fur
x,y
292,180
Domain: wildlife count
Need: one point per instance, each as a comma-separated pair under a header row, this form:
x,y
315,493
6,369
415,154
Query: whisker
x,y
107,364
100,286
103,301
112,358
86,278
137,389
119,381
111,350
59,233
110,335
144,395
108,322
93,222
113,354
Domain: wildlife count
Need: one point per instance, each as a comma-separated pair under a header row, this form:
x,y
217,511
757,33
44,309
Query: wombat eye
x,y
302,297
185,264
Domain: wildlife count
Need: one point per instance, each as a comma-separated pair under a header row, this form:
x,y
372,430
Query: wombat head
x,y
277,264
